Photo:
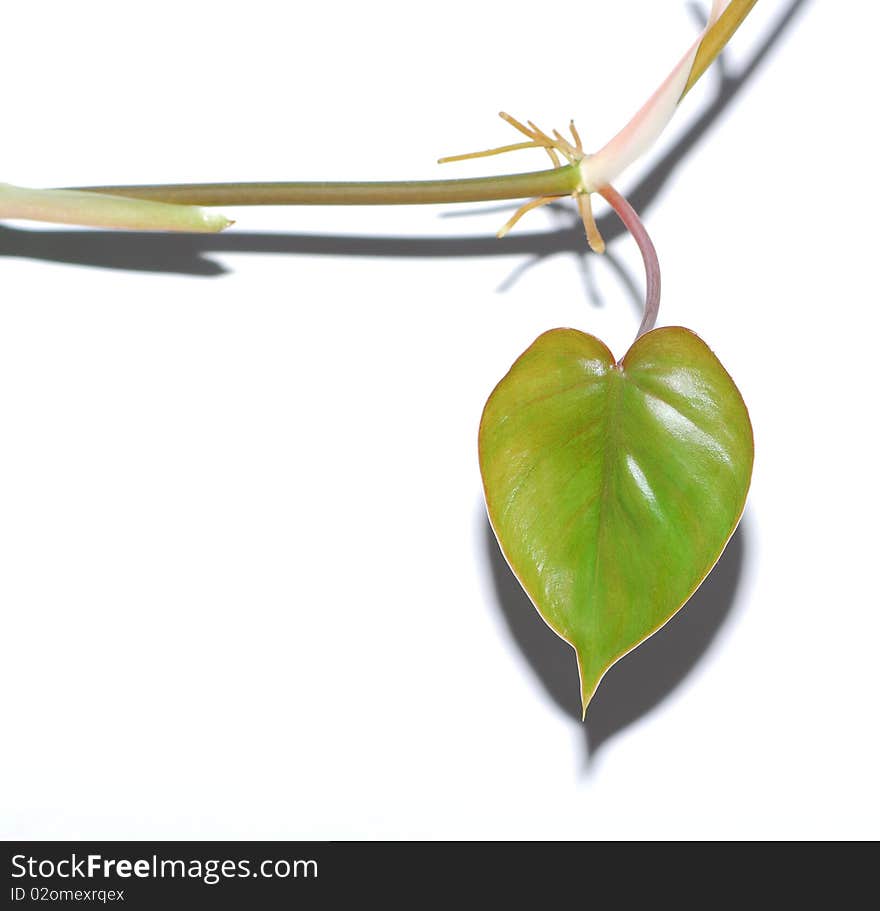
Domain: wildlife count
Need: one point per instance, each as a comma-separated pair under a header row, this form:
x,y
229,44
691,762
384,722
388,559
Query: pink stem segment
x,y
652,265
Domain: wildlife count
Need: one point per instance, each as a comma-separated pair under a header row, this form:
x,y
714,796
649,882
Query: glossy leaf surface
x,y
613,488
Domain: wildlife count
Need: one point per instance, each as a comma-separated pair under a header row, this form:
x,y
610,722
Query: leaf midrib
x,y
614,378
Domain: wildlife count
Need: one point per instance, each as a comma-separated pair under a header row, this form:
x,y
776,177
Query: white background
x,y
246,584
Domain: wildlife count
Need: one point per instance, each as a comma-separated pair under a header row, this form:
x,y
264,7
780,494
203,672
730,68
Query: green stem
x,y
555,182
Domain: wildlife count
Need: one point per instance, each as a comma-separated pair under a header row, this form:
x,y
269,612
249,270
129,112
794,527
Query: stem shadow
x,y
192,254
639,682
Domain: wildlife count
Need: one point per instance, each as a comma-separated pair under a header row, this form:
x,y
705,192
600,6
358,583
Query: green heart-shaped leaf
x,y
614,487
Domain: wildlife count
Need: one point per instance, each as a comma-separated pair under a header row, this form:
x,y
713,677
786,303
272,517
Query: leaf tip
x,y
589,682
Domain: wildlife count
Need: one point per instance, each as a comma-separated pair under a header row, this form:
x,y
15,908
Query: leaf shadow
x,y
644,678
